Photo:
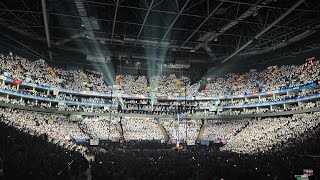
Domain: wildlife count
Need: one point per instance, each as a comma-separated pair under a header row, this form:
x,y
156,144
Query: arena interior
x,y
159,89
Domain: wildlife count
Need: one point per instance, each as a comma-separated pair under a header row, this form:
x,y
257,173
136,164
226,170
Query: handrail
x,y
194,117
10,92
168,98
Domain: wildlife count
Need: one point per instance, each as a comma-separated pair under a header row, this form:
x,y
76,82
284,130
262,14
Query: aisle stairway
x,y
242,128
201,132
120,129
164,132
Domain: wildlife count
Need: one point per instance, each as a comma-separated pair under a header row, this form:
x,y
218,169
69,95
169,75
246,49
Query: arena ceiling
x,y
207,33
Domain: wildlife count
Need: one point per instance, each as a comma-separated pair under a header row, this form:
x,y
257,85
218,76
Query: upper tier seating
x,y
273,78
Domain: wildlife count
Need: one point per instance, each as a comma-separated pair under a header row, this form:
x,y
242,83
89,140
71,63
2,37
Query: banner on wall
x,y
80,140
17,81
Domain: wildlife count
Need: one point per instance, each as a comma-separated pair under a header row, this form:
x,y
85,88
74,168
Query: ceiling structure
x,y
206,33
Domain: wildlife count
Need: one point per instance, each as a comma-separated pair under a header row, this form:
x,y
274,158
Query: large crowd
x,y
262,135
162,108
222,131
147,129
101,127
255,147
241,136
182,130
55,127
25,155
273,78
245,143
141,129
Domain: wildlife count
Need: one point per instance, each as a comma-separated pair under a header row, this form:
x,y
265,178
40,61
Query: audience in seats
x,y
273,78
263,135
141,129
185,130
101,127
52,125
223,130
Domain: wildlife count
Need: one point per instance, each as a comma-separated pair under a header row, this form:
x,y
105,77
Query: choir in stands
x,y
269,132
222,130
273,78
141,129
101,127
182,130
246,136
263,135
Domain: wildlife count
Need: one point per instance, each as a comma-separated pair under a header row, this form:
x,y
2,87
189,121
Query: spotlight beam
x,y
64,41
